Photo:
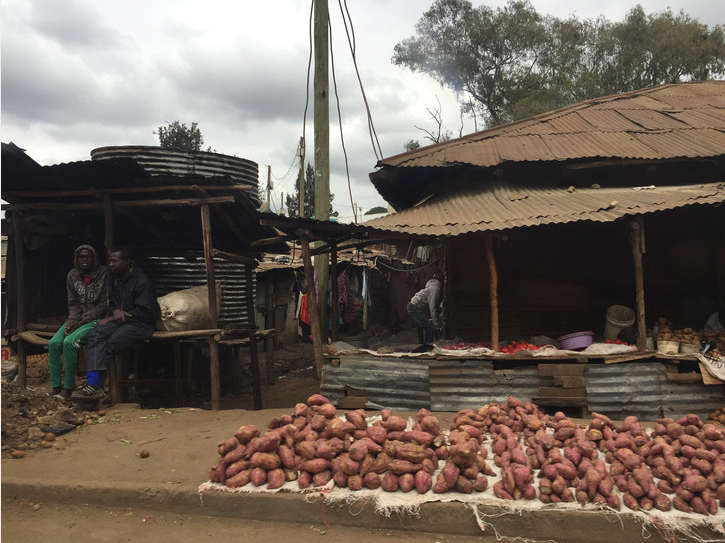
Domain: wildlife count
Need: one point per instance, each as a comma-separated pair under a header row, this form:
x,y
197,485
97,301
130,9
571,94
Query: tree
x,y
375,210
512,62
177,135
292,202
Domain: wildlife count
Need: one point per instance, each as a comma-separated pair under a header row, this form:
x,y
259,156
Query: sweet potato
x,y
545,486
234,468
317,399
406,482
290,474
220,472
382,460
355,482
403,466
245,433
701,465
389,481
348,465
327,410
500,492
394,423
357,418
357,450
240,479
377,433
694,483
275,478
340,479
366,464
258,476
300,410
430,424
410,451
314,466
699,506
450,472
304,480
372,480
235,454
322,478
227,446
681,505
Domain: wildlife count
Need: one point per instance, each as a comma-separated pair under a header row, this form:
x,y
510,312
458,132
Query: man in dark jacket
x,y
132,312
86,288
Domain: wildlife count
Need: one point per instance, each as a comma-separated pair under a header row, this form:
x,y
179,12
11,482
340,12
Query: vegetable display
x,y
511,449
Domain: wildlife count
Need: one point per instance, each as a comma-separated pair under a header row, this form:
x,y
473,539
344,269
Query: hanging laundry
x,y
346,299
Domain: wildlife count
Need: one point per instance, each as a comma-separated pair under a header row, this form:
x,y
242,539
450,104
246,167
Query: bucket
x,y
668,347
618,317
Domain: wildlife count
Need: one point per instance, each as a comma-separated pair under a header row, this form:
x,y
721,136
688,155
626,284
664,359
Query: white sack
x,y
186,309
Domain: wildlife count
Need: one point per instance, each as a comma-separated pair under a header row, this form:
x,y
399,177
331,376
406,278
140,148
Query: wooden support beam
x,y
225,218
213,310
20,293
271,241
162,202
638,249
253,351
233,257
335,294
493,290
237,187
312,302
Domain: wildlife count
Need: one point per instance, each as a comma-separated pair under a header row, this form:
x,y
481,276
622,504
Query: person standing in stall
x,y
423,309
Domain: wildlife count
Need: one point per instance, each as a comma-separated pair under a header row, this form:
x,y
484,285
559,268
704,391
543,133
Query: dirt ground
x,y
73,523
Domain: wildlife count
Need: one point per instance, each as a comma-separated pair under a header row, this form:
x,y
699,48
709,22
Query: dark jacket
x,y
86,301
134,294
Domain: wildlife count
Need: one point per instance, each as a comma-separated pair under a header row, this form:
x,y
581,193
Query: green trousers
x,y
65,348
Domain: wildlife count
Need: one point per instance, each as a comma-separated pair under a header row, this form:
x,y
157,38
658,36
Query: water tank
x,y
158,161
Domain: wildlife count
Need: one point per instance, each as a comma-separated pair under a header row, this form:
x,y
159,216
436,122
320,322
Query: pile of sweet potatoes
x,y
678,464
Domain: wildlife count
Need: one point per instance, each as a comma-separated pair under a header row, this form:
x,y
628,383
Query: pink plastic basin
x,y
576,341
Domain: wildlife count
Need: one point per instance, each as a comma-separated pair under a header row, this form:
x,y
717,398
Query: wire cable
x,y
339,118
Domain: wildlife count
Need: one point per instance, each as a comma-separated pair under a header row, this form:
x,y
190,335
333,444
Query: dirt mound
x,y
28,415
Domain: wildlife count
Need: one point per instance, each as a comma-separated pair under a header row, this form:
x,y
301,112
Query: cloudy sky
x,y
82,74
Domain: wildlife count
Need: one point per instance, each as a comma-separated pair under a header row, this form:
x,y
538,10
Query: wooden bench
x,y
120,364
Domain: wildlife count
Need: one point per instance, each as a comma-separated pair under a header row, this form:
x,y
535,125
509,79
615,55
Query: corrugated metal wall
x,y
395,383
470,384
170,274
642,390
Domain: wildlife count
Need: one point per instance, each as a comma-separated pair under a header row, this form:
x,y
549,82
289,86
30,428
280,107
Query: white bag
x,y
186,309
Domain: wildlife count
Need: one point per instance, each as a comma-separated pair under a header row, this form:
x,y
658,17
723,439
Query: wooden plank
x,y
691,377
352,402
708,378
561,402
556,392
550,370
569,381
628,358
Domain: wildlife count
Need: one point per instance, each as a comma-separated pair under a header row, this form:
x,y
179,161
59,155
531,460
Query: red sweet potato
x,y
410,451
382,461
322,478
340,479
355,482
275,478
372,480
406,482
315,465
694,483
681,505
258,476
500,492
662,502
394,423
304,480
327,410
236,467
389,481
240,479
245,433
423,481
227,446
270,442
317,399
377,433
357,450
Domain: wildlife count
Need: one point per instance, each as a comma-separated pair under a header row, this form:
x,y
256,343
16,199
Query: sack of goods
x,y
186,309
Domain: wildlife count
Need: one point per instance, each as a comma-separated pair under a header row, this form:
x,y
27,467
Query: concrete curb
x,y
438,517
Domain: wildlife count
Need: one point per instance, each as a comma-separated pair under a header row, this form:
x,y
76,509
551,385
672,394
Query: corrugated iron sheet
x,y
602,127
391,382
490,208
170,274
642,390
470,384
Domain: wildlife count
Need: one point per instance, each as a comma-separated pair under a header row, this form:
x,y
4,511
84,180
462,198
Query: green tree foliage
x,y
376,209
512,62
177,135
411,145
293,202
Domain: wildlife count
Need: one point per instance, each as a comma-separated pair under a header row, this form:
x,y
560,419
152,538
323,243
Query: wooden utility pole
x,y
322,149
269,187
638,249
492,289
301,180
216,402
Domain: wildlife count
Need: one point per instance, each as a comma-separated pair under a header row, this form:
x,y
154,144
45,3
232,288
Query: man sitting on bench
x,y
132,313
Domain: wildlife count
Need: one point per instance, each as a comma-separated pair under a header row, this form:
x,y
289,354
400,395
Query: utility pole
x,y
269,187
301,179
322,150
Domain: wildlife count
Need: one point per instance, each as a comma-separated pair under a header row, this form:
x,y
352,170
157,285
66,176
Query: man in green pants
x,y
86,287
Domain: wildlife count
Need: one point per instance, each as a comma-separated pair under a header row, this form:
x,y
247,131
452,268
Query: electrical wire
x,y
351,41
404,270
339,118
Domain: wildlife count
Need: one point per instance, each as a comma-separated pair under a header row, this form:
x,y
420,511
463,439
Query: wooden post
x,y
216,401
20,293
312,302
365,293
253,352
270,318
108,221
301,181
322,147
493,290
638,249
335,291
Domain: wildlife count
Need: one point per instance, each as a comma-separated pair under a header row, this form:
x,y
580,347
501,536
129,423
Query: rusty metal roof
x,y
501,207
683,120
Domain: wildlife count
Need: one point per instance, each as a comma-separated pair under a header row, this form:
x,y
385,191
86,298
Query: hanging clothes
x,y
402,286
345,298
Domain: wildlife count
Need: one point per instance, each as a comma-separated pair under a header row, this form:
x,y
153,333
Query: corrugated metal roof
x,y
603,127
642,390
501,207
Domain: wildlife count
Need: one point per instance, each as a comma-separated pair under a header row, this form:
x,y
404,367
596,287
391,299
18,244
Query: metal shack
x,y
190,216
